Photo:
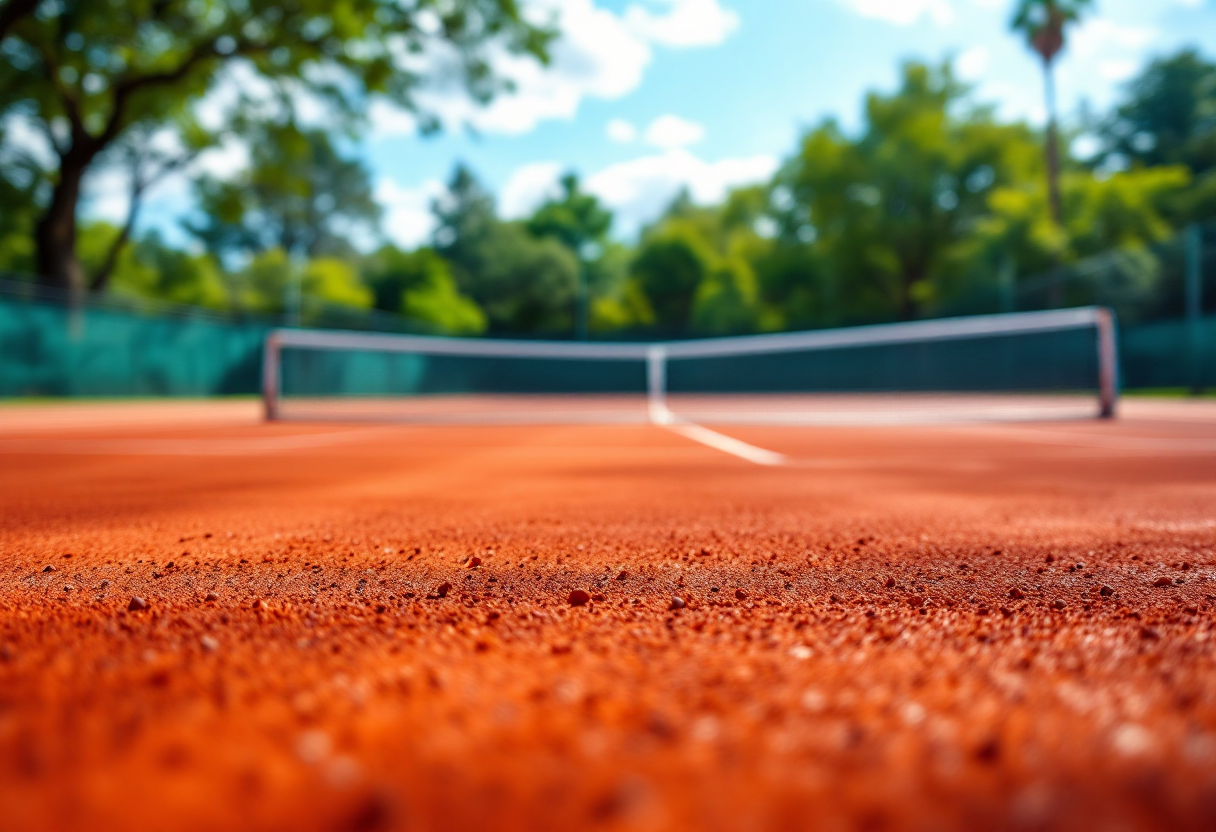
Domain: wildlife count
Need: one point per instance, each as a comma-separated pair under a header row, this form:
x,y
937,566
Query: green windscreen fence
x,y
1177,353
47,349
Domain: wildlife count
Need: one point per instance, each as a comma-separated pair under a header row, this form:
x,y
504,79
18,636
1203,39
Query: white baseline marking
x,y
236,446
728,444
1105,442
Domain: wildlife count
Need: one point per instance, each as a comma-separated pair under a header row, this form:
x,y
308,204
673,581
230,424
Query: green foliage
x,y
465,217
328,281
889,209
522,283
526,285
263,285
20,182
576,219
419,285
154,271
1125,210
932,206
672,262
725,301
298,194
98,68
1168,117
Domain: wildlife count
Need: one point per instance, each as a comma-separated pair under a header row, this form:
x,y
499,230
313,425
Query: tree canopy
x,y
86,72
932,205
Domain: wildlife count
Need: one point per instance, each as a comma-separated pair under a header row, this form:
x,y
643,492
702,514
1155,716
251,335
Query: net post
x,y
270,376
656,385
1108,363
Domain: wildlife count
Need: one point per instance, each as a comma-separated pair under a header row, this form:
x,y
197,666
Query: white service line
x,y
235,446
728,444
1113,442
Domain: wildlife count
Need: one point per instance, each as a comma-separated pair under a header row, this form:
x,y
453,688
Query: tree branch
x,y
70,104
13,12
139,186
125,89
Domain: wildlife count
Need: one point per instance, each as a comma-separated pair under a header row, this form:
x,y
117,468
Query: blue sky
x,y
646,96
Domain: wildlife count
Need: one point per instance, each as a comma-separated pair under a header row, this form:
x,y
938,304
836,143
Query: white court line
x,y
1107,442
184,447
728,444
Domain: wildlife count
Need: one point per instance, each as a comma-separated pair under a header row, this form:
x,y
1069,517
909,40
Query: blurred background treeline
x,y
933,206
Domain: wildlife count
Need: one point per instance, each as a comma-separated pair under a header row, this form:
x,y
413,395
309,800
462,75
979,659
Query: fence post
x,y
656,385
1194,306
270,376
1108,364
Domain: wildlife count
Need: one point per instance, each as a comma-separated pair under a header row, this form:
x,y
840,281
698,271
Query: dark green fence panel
x,y
1169,354
46,349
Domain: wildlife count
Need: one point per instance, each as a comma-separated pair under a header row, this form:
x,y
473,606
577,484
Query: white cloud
x,y
1099,35
684,22
408,220
226,159
106,195
387,120
25,140
595,55
528,188
973,63
904,12
1118,69
638,190
671,131
621,131
598,54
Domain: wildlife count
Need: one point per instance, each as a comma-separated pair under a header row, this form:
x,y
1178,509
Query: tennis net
x,y
1037,365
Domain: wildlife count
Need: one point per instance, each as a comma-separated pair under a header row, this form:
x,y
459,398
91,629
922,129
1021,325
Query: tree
x,y
888,212
419,285
672,262
576,218
1168,116
146,161
523,284
1043,22
87,71
298,194
149,269
465,215
725,300
21,186
266,283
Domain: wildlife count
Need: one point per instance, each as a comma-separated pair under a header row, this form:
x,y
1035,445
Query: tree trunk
x,y
1053,147
102,278
55,234
1056,296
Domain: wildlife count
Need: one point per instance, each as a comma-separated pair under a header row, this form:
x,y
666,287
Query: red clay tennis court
x,y
383,627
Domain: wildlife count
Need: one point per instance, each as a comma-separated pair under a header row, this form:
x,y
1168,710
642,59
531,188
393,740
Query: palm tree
x,y
1043,23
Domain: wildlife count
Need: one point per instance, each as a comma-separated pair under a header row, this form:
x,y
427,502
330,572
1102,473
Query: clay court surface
x,y
964,627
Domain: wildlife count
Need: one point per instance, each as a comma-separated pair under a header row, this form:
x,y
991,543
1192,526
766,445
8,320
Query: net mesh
x,y
318,382
1041,374
1027,366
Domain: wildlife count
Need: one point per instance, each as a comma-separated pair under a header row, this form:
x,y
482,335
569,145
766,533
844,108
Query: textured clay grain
x,y
890,632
